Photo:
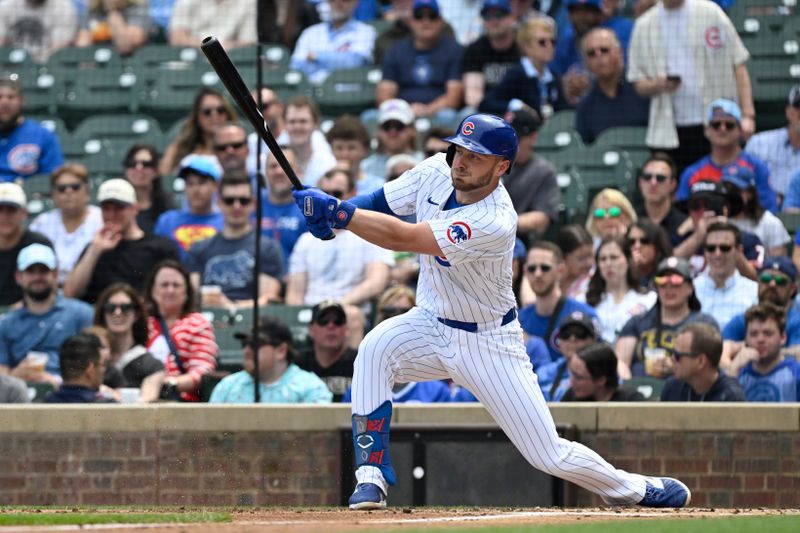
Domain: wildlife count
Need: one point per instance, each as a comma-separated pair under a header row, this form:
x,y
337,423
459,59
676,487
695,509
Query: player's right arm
x,y
394,234
624,350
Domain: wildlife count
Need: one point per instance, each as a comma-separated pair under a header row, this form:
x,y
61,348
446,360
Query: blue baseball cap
x,y
740,176
433,5
201,165
500,5
36,254
724,108
779,262
590,3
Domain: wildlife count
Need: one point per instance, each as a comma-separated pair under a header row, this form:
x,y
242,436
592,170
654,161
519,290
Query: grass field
x,y
50,517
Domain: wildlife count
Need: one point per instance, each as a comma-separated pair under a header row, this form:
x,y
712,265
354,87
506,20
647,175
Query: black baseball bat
x,y
230,77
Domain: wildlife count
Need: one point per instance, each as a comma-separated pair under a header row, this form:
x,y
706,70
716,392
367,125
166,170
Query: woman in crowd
x,y
593,377
649,245
120,310
610,215
209,111
614,289
179,336
576,246
141,170
124,23
747,213
72,225
394,301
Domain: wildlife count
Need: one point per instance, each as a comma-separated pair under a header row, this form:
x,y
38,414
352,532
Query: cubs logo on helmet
x,y
459,232
467,128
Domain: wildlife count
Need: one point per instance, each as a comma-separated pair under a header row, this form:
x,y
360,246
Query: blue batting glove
x,y
342,215
321,229
315,204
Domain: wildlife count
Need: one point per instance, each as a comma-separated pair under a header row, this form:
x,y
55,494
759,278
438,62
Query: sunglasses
x,y
75,187
266,105
611,212
325,320
677,355
576,333
394,311
545,42
425,15
125,309
241,200
545,268
336,194
644,241
712,248
649,176
235,146
779,279
676,280
727,124
493,14
208,111
600,50
395,125
140,164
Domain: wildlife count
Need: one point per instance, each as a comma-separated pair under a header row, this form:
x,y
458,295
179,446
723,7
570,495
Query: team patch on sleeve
x,y
459,232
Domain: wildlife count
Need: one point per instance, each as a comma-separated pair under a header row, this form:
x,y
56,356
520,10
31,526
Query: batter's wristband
x,y
342,215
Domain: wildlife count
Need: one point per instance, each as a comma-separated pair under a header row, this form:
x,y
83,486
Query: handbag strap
x,y
173,350
551,324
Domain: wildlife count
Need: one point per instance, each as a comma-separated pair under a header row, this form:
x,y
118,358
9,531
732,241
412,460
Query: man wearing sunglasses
x,y
577,330
226,259
697,378
657,182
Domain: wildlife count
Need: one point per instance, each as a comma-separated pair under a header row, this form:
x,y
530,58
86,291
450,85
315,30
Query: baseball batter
x,y
465,323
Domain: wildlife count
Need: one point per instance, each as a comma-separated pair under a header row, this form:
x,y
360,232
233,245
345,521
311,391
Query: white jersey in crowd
x,y
470,283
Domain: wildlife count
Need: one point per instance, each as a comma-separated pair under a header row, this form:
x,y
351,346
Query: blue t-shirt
x,y
736,329
294,386
781,384
568,51
423,392
537,351
284,224
547,376
421,76
28,150
185,228
535,324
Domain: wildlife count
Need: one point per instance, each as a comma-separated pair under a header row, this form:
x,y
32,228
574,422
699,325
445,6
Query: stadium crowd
x,y
681,287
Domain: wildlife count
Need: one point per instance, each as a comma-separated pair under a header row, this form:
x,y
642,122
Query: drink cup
x,y
653,357
38,360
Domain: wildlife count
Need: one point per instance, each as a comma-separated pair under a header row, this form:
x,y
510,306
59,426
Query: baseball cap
x,y
433,5
324,307
12,194
794,96
779,262
523,121
589,3
36,254
395,109
740,176
200,165
706,188
11,80
722,108
579,318
116,190
677,265
270,331
500,5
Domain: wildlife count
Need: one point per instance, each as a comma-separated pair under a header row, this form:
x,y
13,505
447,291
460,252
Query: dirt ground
x,y
328,520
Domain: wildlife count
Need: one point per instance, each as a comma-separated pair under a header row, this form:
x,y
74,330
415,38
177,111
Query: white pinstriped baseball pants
x,y
493,366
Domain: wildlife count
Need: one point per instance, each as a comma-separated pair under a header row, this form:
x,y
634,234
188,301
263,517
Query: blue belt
x,y
472,327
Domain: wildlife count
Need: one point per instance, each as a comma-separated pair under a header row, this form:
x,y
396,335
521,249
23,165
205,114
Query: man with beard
x,y
39,26
31,335
776,285
26,147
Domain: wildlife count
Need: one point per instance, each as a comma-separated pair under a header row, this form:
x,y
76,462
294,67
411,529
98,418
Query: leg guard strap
x,y
371,440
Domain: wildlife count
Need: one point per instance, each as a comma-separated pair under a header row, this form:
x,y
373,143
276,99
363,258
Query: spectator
x,y
396,135
657,183
13,390
722,291
584,15
767,376
198,220
611,100
141,170
531,183
649,245
434,143
777,285
683,55
193,20
723,131
397,164
226,260
124,23
26,147
349,140
646,340
39,26
424,68
209,111
83,365
120,310
330,357
71,226
593,377
179,336
120,251
282,22
231,148
312,159
30,335
341,42
749,215
397,14
577,247
614,290
395,300
544,269
697,377
14,236
610,215
576,331
464,16
530,82
280,379
780,150
486,60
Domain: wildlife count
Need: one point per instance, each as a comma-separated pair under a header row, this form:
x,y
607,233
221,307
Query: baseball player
x,y
464,325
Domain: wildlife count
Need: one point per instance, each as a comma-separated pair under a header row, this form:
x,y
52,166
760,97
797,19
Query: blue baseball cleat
x,y
366,497
665,492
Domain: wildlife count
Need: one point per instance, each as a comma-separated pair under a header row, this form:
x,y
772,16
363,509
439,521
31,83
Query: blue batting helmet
x,y
484,134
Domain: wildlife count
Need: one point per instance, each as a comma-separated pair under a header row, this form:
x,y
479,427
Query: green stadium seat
x,y
791,221
218,316
12,58
557,133
53,124
40,88
648,387
75,63
754,16
128,127
773,46
771,80
103,91
173,93
574,200
37,192
348,91
297,317
273,57
231,354
38,391
152,61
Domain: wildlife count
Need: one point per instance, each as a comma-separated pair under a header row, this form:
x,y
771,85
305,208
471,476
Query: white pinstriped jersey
x,y
472,282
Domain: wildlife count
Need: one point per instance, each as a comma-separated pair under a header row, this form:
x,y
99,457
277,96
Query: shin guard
x,y
371,440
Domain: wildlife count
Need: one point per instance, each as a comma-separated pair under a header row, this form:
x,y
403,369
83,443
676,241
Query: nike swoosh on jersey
x,y
431,201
